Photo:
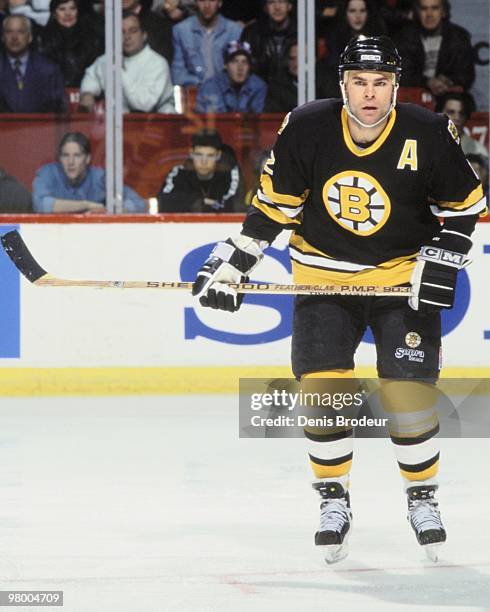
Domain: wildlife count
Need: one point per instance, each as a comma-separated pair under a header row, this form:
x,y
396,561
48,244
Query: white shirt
x,y
37,10
470,145
146,82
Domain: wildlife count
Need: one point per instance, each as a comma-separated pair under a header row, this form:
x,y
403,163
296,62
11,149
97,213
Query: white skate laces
x,y
335,520
425,518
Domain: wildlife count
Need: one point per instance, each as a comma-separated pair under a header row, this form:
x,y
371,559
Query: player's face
x,y
356,14
133,36
66,14
454,109
293,60
369,94
278,10
16,36
431,13
238,69
208,9
205,160
74,161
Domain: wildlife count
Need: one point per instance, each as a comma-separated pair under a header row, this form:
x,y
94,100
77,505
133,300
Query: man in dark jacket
x,y
200,184
282,94
270,38
14,197
29,82
436,53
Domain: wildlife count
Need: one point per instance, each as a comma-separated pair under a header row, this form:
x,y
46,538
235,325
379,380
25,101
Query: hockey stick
x,y
22,258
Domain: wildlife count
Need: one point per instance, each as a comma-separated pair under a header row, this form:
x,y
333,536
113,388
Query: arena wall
x,y
78,340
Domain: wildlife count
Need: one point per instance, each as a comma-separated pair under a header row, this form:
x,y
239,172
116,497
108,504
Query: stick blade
x,y
21,257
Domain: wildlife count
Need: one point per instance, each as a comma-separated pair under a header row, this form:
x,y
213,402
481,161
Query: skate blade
x,y
334,553
432,551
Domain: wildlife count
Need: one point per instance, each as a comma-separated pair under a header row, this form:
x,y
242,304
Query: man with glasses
x,y
204,183
271,37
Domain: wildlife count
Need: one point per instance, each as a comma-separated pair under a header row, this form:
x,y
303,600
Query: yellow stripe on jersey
x,y
322,269
475,196
353,148
273,213
281,198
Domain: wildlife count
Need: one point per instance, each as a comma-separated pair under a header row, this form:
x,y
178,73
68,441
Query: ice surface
x,y
155,504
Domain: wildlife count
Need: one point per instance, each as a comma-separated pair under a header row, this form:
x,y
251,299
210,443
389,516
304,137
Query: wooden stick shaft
x,y
264,288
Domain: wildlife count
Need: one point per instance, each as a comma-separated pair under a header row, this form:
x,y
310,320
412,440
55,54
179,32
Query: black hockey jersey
x,y
360,215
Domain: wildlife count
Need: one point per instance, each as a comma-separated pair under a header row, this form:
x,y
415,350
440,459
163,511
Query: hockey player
x,y
361,182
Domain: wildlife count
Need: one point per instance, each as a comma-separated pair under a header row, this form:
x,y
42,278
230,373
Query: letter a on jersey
x,y
408,156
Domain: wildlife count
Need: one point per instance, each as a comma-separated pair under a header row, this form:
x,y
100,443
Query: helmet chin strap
x,y
356,119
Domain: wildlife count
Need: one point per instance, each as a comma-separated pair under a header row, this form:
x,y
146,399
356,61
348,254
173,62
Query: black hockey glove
x,y
230,262
435,273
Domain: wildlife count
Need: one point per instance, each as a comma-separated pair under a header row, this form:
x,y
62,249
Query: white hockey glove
x,y
435,274
229,262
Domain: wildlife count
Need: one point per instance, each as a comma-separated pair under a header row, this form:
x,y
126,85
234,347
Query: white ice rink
x,y
154,504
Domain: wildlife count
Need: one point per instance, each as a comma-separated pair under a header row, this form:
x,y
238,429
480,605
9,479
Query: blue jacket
x,y
188,63
219,96
43,90
51,184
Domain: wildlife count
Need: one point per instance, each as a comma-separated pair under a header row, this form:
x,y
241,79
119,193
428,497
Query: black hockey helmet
x,y
370,53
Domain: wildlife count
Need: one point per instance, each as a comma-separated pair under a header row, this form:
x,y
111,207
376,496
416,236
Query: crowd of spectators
x,y
192,37
236,56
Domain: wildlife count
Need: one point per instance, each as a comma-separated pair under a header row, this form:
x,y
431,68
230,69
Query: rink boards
x,y
111,341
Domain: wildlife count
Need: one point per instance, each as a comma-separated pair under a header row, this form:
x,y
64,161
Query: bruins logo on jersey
x,y
356,201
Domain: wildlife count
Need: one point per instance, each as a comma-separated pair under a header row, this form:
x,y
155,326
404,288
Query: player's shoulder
x,y
312,116
415,114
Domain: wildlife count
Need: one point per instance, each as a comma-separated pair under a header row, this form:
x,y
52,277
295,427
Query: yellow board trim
x,y
376,144
112,381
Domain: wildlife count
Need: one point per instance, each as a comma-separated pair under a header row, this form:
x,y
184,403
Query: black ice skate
x,y
425,518
335,520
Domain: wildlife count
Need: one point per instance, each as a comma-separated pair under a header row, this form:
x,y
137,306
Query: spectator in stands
x,y
29,81
175,10
396,14
14,197
72,185
355,17
436,53
36,10
200,184
282,92
234,89
243,12
70,41
479,163
459,108
157,27
146,83
199,42
270,36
